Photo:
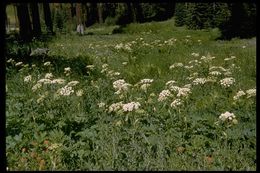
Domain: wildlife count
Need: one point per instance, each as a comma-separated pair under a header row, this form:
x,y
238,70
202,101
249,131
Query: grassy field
x,y
154,97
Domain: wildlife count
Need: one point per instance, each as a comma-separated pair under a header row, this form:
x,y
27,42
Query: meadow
x,y
152,97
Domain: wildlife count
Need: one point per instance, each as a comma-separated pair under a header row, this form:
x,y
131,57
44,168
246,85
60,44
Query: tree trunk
x,y
78,13
138,12
47,18
25,29
35,19
100,12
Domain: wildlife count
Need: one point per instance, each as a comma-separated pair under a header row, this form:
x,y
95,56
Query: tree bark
x,y
47,18
35,19
25,29
100,12
78,13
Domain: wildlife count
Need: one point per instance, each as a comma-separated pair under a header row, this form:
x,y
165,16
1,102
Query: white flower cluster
x,y
145,83
48,76
58,81
164,94
66,91
101,104
170,42
170,83
199,81
218,67
207,58
215,73
174,88
67,71
115,107
176,103
27,78
227,82
121,86
10,60
195,54
129,107
227,59
176,65
90,67
183,92
19,64
48,63
239,94
251,93
227,116
126,47
79,93
72,83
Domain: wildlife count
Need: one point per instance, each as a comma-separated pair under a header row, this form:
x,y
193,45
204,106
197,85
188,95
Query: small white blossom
x,y
239,94
47,63
164,94
183,92
36,86
215,73
145,81
227,82
48,76
227,116
115,107
145,86
91,67
195,54
79,93
72,83
176,103
101,104
19,63
176,65
66,91
27,78
58,81
251,93
45,81
199,81
129,107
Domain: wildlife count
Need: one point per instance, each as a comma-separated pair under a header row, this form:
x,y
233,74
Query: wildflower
x,y
10,60
124,63
119,46
47,63
251,93
188,67
164,94
58,81
116,73
239,94
144,81
227,116
33,65
129,107
183,92
176,103
36,86
145,86
227,59
195,54
215,73
19,63
170,83
227,82
199,81
243,47
91,67
174,88
101,104
54,146
228,73
28,78
45,81
66,91
176,65
121,86
115,107
79,93
48,76
67,69
72,83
